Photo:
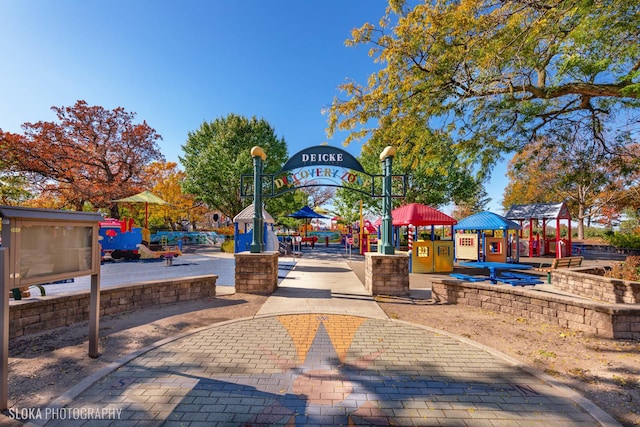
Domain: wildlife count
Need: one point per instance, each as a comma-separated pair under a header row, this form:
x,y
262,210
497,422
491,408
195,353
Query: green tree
x,y
281,206
435,175
14,187
495,75
219,152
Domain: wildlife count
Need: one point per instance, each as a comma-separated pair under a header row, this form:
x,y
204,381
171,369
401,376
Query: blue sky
x,y
179,63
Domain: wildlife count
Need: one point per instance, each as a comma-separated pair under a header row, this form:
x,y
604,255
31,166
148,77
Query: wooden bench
x,y
572,261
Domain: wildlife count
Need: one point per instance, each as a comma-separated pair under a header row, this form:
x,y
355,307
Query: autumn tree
x,y
572,167
476,203
319,195
496,75
90,155
165,181
631,186
219,152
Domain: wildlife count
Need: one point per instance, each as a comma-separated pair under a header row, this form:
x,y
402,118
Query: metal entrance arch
x,y
322,166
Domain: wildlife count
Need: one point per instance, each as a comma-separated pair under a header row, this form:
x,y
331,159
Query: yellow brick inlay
x,y
302,329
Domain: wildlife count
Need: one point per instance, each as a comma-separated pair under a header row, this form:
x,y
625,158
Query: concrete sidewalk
x,y
320,352
321,284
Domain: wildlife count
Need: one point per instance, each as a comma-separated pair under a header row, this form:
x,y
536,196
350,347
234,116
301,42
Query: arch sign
x,y
322,166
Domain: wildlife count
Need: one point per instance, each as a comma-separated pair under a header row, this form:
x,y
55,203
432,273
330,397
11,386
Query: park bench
x,y
572,261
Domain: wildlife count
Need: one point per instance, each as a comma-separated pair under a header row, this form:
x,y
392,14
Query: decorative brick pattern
x,y
325,370
256,273
606,320
387,274
589,283
32,316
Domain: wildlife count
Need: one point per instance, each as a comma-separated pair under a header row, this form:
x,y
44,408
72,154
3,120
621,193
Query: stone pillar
x,y
387,274
256,273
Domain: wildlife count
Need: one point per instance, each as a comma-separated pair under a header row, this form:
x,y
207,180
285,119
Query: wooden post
x,y
4,329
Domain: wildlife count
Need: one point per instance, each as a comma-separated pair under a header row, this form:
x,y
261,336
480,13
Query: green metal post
x,y
257,243
386,157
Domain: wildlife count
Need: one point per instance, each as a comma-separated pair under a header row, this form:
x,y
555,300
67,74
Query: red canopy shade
x,y
419,215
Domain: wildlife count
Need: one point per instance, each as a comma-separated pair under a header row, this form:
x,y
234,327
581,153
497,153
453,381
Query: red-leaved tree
x,y
90,155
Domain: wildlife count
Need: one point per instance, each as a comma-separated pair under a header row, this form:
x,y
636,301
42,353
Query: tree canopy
x,y
219,152
571,167
182,210
91,155
435,175
495,75
14,187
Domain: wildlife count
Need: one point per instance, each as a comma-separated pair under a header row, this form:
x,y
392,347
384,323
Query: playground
x,y
315,291
603,374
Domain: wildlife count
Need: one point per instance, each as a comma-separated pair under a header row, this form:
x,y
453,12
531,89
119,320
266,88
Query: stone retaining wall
x,y
589,283
37,315
605,320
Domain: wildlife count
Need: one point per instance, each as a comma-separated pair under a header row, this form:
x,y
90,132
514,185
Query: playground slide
x,y
272,243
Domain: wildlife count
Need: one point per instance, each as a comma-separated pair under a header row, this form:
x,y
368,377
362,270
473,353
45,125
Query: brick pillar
x,y
256,273
387,274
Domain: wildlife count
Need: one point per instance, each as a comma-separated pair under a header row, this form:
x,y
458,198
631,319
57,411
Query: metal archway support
x,y
386,246
257,243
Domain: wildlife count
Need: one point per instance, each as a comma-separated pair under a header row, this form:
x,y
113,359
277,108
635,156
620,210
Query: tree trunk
x,y
581,221
114,212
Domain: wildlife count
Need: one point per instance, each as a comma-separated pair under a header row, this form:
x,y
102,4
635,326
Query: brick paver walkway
x,y
329,370
320,352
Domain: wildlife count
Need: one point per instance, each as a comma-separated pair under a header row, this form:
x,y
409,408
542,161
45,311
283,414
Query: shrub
x,y
593,233
225,231
228,246
627,270
623,240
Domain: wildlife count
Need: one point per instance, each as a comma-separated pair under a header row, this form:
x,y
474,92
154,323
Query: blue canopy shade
x,y
305,212
486,221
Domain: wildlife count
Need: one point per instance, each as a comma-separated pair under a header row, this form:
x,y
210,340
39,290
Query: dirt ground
x,y
605,371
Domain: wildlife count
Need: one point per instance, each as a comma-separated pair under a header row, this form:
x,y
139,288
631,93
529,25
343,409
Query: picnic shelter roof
x,y
539,211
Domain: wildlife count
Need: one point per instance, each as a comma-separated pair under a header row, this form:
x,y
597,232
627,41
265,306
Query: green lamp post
x,y
386,157
257,243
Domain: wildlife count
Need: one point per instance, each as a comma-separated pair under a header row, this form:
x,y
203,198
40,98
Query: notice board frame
x,y
67,228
